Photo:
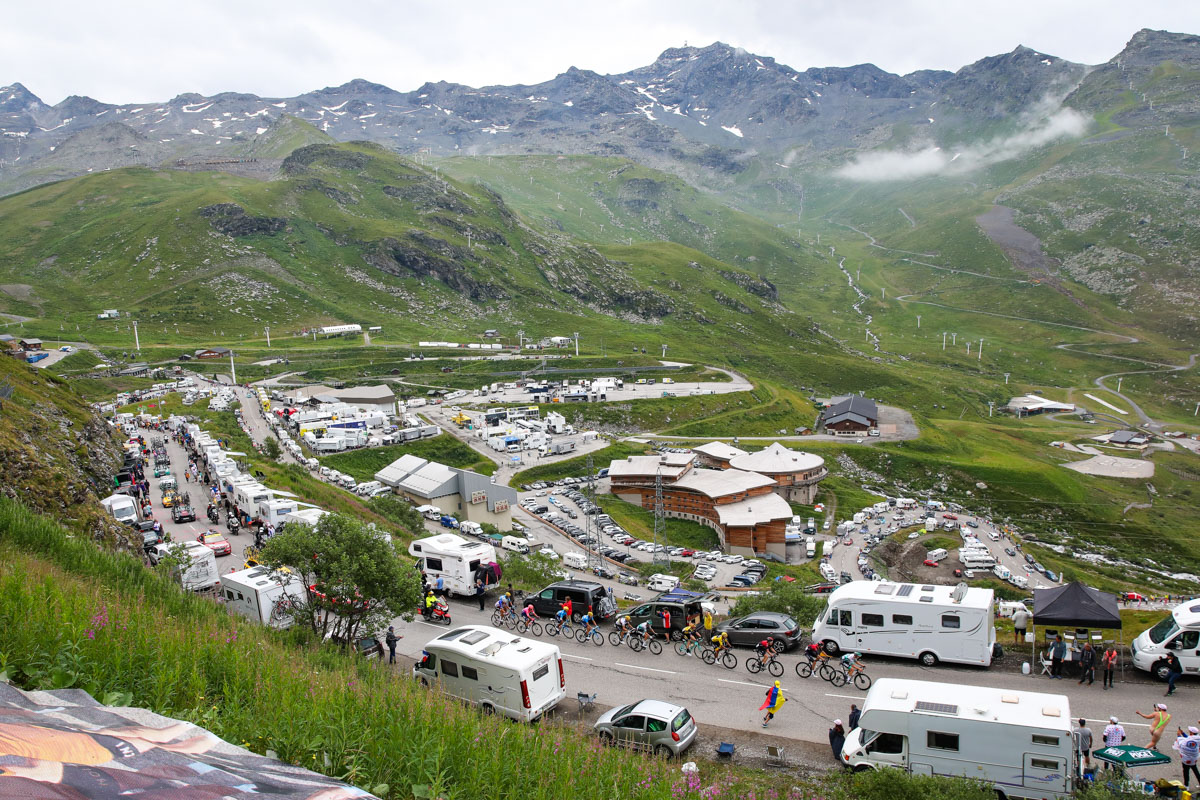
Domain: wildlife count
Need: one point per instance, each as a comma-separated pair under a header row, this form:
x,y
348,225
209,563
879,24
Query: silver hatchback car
x,y
663,728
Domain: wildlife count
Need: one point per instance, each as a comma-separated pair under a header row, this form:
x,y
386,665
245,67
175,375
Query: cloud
x,y
899,165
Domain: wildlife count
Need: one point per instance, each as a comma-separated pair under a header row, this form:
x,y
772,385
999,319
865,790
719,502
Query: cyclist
x,y
645,631
764,651
562,618
720,643
691,632
528,613
502,605
852,663
812,652
589,624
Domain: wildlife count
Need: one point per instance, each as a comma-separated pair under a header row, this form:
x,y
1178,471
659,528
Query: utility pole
x,y
883,290
468,240
954,338
1006,378
1119,379
137,345
991,404
918,322
980,350
968,348
659,519
577,344
664,355
593,550
1197,411
268,330
943,340
520,340
232,369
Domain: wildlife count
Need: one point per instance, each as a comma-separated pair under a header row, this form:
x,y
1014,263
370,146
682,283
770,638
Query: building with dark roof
x,y
212,352
851,416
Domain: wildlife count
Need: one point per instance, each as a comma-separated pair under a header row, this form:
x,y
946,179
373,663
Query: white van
x,y
515,544
936,555
430,512
261,594
1019,742
367,488
1178,633
498,671
910,620
662,583
454,559
122,507
575,560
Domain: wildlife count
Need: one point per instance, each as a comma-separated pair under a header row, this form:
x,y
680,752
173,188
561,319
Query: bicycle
x,y
807,667
504,618
583,636
857,674
563,627
532,626
687,646
618,638
651,643
728,659
755,665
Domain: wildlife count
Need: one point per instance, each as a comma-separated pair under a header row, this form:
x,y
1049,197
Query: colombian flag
x,y
775,699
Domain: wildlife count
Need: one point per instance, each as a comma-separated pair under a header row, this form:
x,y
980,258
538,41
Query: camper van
x,y
197,567
498,671
430,512
1017,741
972,557
937,554
303,516
662,583
122,507
1178,633
260,594
575,560
455,560
273,512
909,620
515,544
810,547
247,496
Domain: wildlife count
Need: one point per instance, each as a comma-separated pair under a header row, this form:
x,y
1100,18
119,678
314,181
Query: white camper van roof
x,y
489,644
959,701
448,543
964,597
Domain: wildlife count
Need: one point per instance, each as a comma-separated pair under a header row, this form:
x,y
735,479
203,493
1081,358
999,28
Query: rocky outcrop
x,y
232,220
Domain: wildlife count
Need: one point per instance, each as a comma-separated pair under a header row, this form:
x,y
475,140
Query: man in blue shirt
x,y
1058,651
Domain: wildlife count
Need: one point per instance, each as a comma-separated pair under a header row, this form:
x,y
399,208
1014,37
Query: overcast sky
x,y
125,51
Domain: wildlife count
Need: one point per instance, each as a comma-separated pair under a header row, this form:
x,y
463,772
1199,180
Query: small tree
x,y
271,449
356,581
532,572
786,598
400,511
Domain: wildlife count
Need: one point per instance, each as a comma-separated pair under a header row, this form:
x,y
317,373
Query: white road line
x,y
649,669
581,658
743,683
430,624
846,696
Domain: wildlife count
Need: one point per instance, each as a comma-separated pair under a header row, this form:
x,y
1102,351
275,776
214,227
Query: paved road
x,y
1146,420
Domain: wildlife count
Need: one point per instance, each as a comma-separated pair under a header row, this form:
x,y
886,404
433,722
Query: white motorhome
x,y
304,516
452,558
498,671
122,508
1178,633
515,544
430,512
197,567
575,560
262,594
274,511
926,622
247,496
1019,742
810,547
972,557
662,583
937,554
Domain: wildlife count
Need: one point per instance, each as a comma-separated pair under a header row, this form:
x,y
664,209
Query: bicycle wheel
x,y
497,619
838,679
521,627
804,669
702,654
597,638
826,672
614,639
636,643
681,648
709,657
655,647
754,665
862,681
536,627
579,635
775,668
553,630
728,660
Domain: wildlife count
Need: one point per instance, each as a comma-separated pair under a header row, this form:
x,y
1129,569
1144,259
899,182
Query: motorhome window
x,y
847,618
1043,739
872,620
449,668
1041,763
452,635
474,565
469,672
655,725
934,739
1186,640
951,621
901,619
541,672
886,743
433,563
475,637
1163,630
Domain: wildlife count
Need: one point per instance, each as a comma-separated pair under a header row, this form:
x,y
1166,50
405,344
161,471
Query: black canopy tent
x,y
1076,606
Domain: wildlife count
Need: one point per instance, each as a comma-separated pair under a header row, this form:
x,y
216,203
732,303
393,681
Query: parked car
x,y
751,629
627,578
930,562
183,513
660,727
1010,551
215,541
582,594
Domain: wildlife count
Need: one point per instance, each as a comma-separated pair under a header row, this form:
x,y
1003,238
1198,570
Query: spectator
x,y
479,592
1109,662
1082,737
837,738
852,720
1058,651
390,639
1158,723
1020,623
1114,734
1188,745
1174,670
1087,665
665,615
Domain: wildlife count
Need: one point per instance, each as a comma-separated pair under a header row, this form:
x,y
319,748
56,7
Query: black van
x,y
680,610
583,594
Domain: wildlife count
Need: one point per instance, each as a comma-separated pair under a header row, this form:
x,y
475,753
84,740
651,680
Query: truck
x,y
908,620
1179,634
497,671
457,561
1018,742
33,358
122,507
448,521
262,594
557,448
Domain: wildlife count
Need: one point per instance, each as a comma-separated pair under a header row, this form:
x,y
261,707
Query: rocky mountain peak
x,y
16,98
1149,48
